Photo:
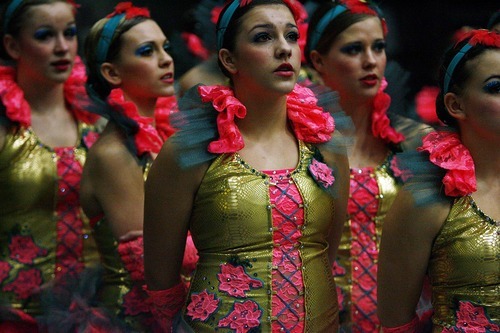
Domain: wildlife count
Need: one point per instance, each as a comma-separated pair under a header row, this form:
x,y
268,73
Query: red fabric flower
x,y
26,283
5,268
195,45
472,319
147,138
310,122
202,305
321,173
235,281
215,13
229,107
447,152
129,10
482,37
23,249
381,125
132,255
134,301
243,317
165,106
425,104
362,7
18,110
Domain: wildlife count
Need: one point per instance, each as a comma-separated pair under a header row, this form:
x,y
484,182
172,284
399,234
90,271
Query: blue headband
x,y
224,21
453,64
8,13
106,36
323,23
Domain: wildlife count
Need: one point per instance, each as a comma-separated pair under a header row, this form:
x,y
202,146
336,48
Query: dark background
x,y
419,31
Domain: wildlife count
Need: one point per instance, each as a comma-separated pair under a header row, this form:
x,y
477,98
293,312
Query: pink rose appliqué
x,y
23,249
472,319
26,284
321,173
243,317
235,281
202,305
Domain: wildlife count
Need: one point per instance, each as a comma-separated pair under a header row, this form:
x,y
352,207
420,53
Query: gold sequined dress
x,y
464,270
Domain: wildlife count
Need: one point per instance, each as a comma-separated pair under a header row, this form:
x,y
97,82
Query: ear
x,y
227,60
454,105
316,60
111,74
11,46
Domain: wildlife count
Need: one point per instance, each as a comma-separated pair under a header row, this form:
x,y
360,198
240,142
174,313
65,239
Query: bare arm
x,y
169,198
405,248
113,184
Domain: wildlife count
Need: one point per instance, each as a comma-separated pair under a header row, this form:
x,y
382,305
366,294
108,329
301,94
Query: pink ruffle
x,y
447,151
132,255
147,138
18,109
310,122
381,125
165,106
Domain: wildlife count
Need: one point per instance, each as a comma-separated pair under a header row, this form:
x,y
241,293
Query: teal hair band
x,y
323,23
8,13
224,21
453,64
106,36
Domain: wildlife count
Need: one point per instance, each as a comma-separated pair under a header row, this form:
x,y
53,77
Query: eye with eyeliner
x,y
144,50
492,87
43,34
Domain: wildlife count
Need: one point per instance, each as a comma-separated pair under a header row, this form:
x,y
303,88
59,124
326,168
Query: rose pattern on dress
x,y
235,281
24,250
471,319
202,305
322,173
26,283
5,268
244,317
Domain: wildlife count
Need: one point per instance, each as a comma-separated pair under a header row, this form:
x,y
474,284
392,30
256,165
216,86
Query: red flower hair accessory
x,y
129,10
365,7
482,37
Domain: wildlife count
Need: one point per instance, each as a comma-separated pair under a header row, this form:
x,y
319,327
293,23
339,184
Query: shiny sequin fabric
x,y
464,269
43,233
263,251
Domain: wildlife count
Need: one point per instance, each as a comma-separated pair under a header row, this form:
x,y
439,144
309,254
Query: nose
x,y
62,44
370,59
165,59
284,49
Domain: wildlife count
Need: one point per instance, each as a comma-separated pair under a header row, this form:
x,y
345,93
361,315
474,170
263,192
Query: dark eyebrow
x,y
494,76
270,26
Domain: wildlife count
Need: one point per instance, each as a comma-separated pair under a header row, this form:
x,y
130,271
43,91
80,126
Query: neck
x,y
265,116
486,155
44,98
145,106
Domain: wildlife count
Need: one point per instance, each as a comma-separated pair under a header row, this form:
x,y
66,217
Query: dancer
x,y
253,175
453,236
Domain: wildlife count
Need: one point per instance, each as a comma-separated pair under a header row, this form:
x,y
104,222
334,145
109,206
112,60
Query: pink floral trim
x,y
235,281
381,125
447,151
471,319
17,108
132,255
310,122
23,249
321,173
27,283
165,106
243,317
202,305
147,139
